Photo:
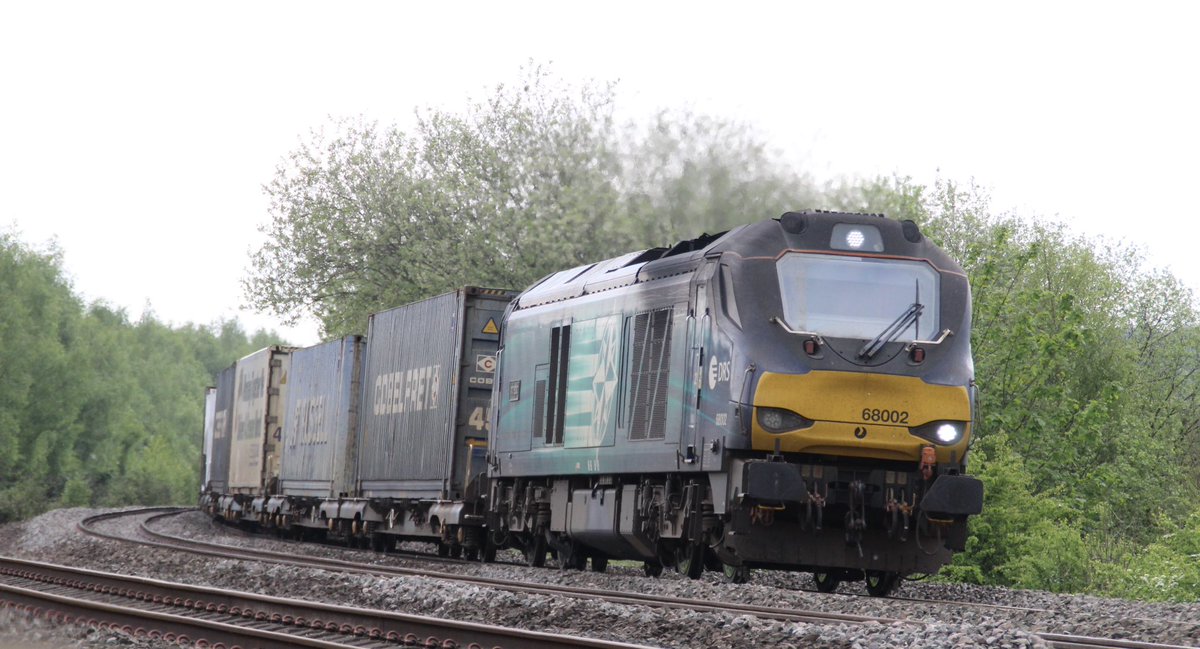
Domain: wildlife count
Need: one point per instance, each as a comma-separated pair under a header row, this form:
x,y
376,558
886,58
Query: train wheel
x,y
881,584
826,582
736,574
599,563
652,568
535,551
443,550
488,553
689,560
379,542
571,556
471,554
456,551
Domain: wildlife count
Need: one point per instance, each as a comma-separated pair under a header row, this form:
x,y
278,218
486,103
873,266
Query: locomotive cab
x,y
856,404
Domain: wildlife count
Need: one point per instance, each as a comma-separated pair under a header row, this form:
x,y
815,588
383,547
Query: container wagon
x,y
246,435
324,394
421,439
216,441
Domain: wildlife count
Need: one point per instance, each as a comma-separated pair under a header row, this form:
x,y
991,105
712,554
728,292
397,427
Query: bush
x,y
76,493
1050,556
1167,570
1022,538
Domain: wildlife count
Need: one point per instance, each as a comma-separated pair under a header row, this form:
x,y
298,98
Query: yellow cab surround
x,y
845,407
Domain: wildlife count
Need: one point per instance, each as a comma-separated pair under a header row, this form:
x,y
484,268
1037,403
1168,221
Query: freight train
x,y
793,394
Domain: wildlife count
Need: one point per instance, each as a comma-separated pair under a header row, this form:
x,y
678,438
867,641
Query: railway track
x,y
160,540
163,541
208,617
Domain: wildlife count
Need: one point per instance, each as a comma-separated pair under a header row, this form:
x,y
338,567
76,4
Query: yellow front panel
x,y
860,414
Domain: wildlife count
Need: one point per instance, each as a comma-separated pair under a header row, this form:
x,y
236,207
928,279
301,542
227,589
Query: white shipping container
x,y
259,392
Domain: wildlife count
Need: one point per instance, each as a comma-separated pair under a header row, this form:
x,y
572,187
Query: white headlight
x,y
947,433
856,236
771,419
855,239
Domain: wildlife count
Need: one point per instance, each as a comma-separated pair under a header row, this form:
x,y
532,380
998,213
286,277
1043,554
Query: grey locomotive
x,y
793,394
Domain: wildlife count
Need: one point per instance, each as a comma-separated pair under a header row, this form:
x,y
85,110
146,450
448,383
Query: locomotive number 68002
x,y
885,416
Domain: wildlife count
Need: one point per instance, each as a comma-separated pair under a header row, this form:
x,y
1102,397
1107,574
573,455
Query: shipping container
x,y
210,409
321,414
260,390
430,367
222,432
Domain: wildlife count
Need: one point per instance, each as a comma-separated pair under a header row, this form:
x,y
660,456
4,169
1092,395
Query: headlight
x,y
946,433
848,236
778,420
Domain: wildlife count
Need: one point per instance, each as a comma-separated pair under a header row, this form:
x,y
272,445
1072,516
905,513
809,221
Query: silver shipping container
x,y
260,390
218,459
320,416
427,389
210,409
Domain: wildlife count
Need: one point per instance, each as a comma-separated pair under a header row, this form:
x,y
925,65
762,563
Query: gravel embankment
x,y
53,538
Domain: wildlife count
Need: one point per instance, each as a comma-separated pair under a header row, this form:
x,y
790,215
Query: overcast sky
x,y
139,135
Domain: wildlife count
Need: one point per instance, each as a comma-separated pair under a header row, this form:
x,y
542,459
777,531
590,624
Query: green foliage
x,y
95,409
157,474
370,216
1022,538
685,174
1168,569
76,493
534,179
1087,432
1051,556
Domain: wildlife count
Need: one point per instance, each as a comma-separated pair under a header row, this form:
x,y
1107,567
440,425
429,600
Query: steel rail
x,y
214,615
616,597
1058,641
1061,641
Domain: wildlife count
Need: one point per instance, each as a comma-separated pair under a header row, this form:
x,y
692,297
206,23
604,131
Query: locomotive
x,y
793,394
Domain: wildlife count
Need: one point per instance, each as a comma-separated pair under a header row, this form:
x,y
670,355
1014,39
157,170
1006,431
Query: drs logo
x,y
718,372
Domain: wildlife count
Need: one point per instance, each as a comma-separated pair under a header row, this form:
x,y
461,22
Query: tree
x,y
1087,372
38,390
95,409
535,179
372,217
685,174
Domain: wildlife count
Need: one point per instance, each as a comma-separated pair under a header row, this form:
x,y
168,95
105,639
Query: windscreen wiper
x,y
892,331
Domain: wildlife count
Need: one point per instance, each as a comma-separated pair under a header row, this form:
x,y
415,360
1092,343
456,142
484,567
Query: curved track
x,y
617,597
157,539
211,617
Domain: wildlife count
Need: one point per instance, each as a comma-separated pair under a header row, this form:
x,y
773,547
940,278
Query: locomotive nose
x,y
861,415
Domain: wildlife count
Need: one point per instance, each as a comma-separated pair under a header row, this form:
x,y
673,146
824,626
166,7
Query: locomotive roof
x,y
769,237
630,268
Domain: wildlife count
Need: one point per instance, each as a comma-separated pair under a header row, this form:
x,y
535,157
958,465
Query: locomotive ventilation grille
x,y
651,363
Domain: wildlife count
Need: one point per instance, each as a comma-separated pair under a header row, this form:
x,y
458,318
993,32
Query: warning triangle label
x,y
490,327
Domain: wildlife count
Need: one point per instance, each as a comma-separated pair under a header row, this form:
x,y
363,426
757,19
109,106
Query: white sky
x,y
140,134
